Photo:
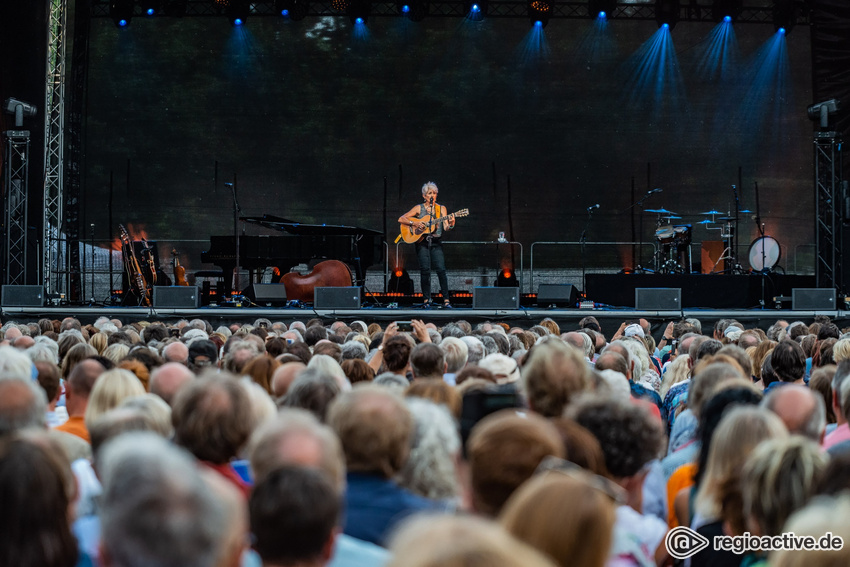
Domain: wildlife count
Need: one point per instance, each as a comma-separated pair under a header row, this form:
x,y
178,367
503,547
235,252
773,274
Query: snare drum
x,y
682,234
764,253
665,234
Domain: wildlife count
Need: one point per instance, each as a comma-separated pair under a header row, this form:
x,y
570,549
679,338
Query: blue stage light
x,y
538,23
781,30
475,8
284,13
358,21
237,22
665,26
727,19
602,15
405,9
122,23
151,12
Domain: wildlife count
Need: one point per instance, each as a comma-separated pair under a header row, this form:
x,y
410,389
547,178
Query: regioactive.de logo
x,y
683,542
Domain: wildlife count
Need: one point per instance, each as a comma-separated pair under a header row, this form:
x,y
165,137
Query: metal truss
x,y
753,11
52,270
16,182
828,205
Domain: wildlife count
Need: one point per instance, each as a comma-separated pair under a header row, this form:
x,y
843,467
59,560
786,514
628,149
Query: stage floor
x,y
567,319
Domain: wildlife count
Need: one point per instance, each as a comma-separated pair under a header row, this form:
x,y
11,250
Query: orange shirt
x,y
683,477
75,425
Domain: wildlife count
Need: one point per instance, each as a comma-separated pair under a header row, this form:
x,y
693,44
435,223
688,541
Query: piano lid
x,y
293,227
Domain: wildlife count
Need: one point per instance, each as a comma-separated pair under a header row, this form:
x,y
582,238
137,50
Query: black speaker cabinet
x,y
176,297
23,296
268,294
658,298
559,295
337,297
812,299
495,298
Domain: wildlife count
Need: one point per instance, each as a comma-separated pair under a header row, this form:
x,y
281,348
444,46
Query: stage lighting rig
x,y
667,13
784,15
19,109
539,11
293,9
359,11
476,10
723,8
413,10
822,110
150,7
237,11
121,12
601,8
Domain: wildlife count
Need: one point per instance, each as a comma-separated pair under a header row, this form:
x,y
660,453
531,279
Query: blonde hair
x,y
99,341
677,372
110,389
460,542
823,514
778,479
116,352
740,430
563,516
841,350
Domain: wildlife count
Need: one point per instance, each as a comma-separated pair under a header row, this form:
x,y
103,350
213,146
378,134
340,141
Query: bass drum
x,y
764,253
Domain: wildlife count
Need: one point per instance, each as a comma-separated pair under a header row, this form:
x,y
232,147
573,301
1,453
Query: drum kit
x,y
674,252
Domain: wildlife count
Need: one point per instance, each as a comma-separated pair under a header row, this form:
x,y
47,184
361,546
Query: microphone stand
x,y
761,244
583,241
639,203
236,212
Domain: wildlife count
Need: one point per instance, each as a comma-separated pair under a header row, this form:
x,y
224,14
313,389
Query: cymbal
x,y
745,212
661,211
726,219
706,221
672,217
711,213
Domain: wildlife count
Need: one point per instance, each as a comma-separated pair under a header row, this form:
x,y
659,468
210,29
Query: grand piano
x,y
357,247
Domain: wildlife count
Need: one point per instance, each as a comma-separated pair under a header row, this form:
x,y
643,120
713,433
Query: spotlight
x,y
358,11
506,278
784,15
295,10
121,12
19,109
150,7
726,10
237,11
413,10
667,13
822,110
400,282
602,8
476,10
539,12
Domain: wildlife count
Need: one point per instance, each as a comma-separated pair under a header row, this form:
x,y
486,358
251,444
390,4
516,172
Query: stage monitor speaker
x,y
23,296
337,297
267,294
812,299
658,298
559,295
176,297
495,298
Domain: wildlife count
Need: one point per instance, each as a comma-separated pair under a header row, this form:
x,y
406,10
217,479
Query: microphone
x,y
431,200
591,207
656,190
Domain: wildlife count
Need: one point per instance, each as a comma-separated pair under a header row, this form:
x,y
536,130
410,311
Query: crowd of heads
x,y
317,442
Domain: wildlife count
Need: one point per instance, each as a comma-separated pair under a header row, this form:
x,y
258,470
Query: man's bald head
x,y
176,352
284,376
802,411
23,342
82,377
168,379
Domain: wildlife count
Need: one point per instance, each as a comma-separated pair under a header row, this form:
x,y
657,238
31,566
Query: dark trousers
x,y
431,257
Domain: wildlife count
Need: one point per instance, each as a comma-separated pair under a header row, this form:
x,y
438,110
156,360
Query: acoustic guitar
x,y
413,234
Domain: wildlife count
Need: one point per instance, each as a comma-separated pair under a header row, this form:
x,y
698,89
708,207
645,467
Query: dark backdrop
x,y
312,121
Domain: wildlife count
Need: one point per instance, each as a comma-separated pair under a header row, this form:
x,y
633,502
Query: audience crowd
x,y
355,444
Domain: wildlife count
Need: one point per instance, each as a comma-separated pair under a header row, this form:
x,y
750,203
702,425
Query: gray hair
x,y
430,185
353,349
457,353
44,351
156,508
23,404
430,469
391,381
15,363
475,348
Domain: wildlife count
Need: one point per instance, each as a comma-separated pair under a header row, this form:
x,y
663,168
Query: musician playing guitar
x,y
429,249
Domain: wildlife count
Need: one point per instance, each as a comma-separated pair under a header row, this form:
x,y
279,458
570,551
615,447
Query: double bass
x,y
138,283
179,271
330,273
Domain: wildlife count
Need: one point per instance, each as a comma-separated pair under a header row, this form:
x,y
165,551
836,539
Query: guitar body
x,y
179,271
330,273
413,234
